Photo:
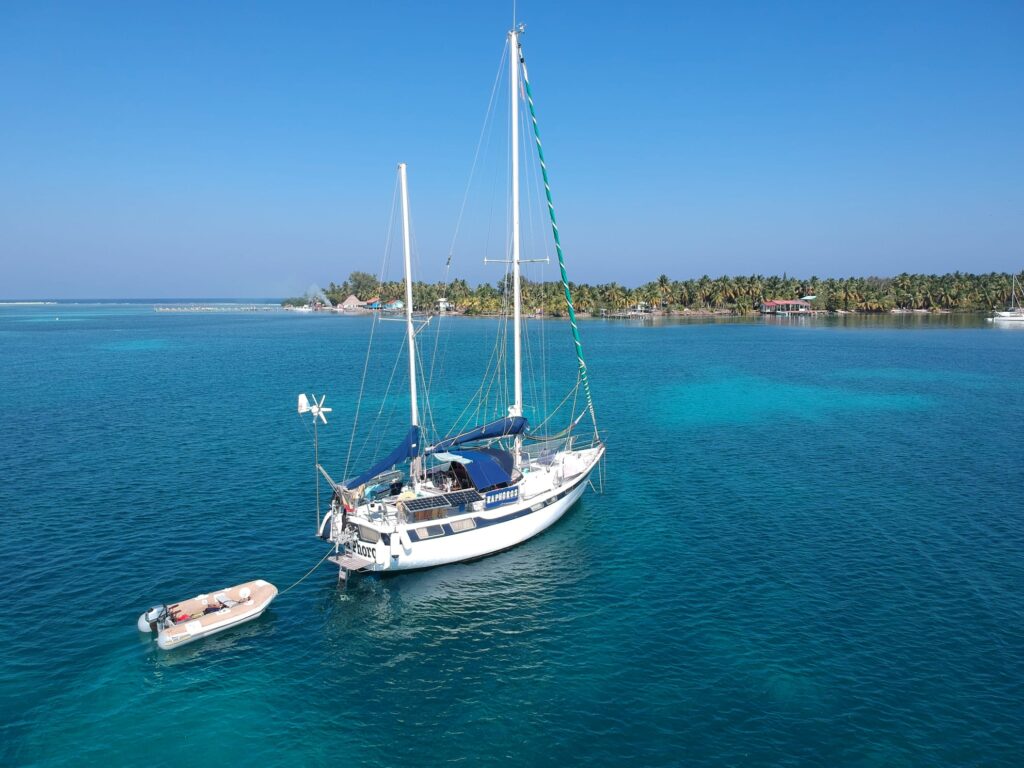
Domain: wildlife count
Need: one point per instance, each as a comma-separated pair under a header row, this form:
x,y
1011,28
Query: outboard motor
x,y
151,620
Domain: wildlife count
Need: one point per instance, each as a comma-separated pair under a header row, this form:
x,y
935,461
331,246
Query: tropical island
x,y
732,295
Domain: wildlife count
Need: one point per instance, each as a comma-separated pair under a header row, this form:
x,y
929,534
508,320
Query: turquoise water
x,y
808,552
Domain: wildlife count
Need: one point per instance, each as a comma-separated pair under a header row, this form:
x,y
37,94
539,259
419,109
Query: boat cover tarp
x,y
407,449
510,425
486,467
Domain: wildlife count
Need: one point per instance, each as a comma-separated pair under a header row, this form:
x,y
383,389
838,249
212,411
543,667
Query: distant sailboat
x,y
1014,312
436,499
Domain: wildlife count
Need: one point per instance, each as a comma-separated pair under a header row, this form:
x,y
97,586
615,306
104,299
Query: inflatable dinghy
x,y
178,624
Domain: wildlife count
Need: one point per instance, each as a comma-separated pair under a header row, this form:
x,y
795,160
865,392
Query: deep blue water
x,y
808,551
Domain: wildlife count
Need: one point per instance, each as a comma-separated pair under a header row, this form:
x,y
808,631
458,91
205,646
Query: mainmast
x,y
410,331
513,58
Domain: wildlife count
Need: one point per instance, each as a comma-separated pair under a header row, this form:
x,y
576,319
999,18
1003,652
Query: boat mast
x,y
410,331
513,58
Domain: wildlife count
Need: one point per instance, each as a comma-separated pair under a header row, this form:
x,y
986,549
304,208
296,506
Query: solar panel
x,y
456,499
459,498
430,502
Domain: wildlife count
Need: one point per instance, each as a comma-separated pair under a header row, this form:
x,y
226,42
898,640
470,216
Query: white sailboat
x,y
437,500
1014,313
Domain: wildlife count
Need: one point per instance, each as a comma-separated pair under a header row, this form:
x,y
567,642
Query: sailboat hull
x,y
503,534
473,534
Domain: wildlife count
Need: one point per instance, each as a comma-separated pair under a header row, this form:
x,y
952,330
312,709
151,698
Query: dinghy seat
x,y
225,601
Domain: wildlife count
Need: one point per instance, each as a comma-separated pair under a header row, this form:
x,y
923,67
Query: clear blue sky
x,y
248,149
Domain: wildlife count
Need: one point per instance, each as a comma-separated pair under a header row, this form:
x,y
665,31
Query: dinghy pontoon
x,y
181,623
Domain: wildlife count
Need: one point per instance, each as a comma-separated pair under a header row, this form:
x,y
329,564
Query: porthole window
x,y
429,532
368,534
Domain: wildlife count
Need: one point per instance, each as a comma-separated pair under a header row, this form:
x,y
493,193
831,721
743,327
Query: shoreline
x,y
663,314
248,305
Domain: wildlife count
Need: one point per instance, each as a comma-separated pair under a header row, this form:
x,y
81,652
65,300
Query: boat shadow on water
x,y
236,642
526,573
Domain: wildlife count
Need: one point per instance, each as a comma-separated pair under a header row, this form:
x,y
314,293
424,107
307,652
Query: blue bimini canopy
x,y
408,449
510,425
486,467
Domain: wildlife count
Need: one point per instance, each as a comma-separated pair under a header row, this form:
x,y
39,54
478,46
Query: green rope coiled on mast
x,y
558,244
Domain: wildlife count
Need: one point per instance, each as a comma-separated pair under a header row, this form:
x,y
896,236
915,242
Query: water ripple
x,y
809,553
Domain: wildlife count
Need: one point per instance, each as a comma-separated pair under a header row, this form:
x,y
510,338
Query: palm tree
x,y
664,290
703,290
615,296
583,299
683,293
744,305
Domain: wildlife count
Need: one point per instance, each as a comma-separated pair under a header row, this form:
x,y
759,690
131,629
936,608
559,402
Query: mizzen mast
x,y
410,330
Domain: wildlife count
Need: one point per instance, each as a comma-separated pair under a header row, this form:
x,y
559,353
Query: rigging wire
x,y
375,426
373,326
488,114
494,389
531,240
542,266
469,404
570,394
437,360
558,247
493,395
426,412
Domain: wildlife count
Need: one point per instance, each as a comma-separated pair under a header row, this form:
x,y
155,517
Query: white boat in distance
x,y
1014,312
440,499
